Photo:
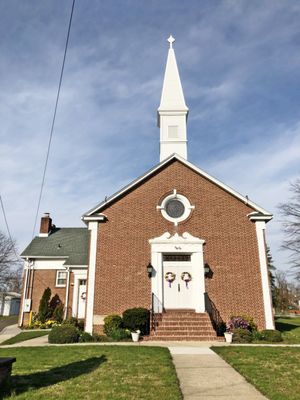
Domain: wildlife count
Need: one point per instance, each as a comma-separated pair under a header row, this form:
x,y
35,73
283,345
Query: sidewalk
x,y
203,375
8,332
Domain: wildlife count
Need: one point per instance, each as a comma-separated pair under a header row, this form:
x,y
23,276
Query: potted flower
x,y
135,335
229,328
236,322
228,336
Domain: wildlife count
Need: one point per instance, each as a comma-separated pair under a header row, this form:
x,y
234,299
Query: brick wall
x,y
123,250
42,279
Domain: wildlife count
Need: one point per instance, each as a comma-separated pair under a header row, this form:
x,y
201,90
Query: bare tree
x,y
290,211
282,298
10,268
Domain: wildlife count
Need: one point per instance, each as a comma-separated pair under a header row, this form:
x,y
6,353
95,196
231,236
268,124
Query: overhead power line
x,y
8,231
53,119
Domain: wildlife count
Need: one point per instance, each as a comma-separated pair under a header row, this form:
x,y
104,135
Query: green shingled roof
x,y
69,243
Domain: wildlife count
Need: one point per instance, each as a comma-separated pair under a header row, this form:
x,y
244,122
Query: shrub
x,y
256,335
120,334
111,324
58,313
100,338
241,335
54,302
71,321
270,335
44,309
86,337
251,324
50,323
137,318
63,334
80,325
237,322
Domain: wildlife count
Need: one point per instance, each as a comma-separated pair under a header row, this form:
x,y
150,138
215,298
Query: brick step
x,y
184,323
183,338
183,329
185,318
185,334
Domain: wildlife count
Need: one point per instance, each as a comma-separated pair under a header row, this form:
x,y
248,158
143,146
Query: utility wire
x,y
8,231
53,120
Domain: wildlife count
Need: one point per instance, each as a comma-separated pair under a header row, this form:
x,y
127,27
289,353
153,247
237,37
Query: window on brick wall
x,y
61,278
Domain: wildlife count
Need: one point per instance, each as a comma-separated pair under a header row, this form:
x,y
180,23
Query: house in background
x,y
176,241
57,258
9,303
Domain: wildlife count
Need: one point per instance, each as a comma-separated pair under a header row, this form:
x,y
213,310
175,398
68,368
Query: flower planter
x,y
135,336
228,337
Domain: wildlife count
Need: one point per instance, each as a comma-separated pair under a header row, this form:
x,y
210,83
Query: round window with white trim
x,y
175,207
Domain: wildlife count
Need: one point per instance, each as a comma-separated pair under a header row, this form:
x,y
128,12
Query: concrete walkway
x,y
8,332
203,375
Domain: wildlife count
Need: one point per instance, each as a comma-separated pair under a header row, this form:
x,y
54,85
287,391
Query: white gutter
x,y
67,293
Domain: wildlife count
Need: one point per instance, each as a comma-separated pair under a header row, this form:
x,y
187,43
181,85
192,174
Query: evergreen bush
x,y
86,337
100,338
58,313
112,323
120,334
241,335
63,334
54,302
270,335
44,308
137,319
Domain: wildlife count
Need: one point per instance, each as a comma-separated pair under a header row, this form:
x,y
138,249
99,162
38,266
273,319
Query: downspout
x,y
67,293
27,265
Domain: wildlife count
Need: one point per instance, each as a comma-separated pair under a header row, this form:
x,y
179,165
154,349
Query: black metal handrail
x,y
215,317
156,311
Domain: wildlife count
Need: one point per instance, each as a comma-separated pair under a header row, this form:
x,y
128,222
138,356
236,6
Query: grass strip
x,y
290,329
92,372
21,337
274,371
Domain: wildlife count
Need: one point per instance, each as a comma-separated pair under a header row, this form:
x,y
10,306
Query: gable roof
x,y
69,243
159,166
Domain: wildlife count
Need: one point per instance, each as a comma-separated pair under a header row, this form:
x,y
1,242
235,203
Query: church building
x,y
176,241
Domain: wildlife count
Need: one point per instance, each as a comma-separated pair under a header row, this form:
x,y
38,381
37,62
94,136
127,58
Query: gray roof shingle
x,y
69,243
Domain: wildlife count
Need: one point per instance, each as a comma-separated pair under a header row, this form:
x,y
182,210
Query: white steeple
x,y
172,112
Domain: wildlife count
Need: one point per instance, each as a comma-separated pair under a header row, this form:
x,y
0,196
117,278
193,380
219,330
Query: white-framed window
x,y
61,278
175,207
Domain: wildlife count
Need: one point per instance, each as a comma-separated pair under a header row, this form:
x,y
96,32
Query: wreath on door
x,y
170,277
186,277
83,295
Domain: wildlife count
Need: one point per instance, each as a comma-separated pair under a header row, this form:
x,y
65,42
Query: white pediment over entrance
x,y
186,238
175,243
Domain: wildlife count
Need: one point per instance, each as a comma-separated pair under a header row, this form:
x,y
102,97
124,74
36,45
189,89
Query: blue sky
x,y
239,63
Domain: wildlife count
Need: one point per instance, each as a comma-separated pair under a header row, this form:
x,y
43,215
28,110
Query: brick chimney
x,y
46,225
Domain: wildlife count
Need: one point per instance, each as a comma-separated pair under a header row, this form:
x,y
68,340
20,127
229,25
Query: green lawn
x,y
273,370
21,337
290,328
93,372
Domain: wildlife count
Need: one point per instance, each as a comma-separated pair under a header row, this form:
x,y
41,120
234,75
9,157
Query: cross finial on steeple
x,y
171,40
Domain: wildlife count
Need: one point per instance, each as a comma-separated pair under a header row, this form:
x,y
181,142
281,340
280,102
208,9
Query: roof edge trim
x,y
222,185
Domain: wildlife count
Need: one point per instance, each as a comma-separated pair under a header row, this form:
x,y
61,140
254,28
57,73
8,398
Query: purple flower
x,y
236,322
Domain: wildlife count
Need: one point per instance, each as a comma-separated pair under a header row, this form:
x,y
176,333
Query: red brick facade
x,y
39,280
231,250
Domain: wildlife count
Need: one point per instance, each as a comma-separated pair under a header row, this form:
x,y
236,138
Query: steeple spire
x,y
172,112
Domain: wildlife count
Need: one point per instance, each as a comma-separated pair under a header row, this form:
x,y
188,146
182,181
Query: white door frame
x,y
78,275
186,243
